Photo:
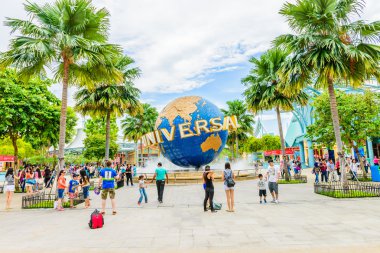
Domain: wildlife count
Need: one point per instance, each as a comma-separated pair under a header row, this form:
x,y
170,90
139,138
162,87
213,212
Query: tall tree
x,y
112,100
94,142
359,117
28,110
68,37
329,48
267,142
245,120
264,92
134,127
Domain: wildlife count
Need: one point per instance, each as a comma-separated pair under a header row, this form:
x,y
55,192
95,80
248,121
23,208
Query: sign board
x,y
7,158
288,151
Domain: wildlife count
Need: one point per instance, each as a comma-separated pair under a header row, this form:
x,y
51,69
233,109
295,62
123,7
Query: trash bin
x,y
375,172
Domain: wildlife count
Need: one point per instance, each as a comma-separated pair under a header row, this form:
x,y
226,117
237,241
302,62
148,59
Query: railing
x,y
195,177
348,190
45,200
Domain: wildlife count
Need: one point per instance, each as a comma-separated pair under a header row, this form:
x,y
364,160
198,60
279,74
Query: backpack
x,y
96,220
229,180
217,206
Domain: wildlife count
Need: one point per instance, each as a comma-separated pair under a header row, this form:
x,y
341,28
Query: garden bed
x,y
46,200
294,180
350,190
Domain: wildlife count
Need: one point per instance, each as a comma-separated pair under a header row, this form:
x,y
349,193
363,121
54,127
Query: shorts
x,y
28,184
61,192
105,192
72,195
273,187
9,188
86,192
262,193
226,188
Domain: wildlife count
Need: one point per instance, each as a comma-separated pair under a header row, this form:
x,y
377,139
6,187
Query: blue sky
x,y
188,47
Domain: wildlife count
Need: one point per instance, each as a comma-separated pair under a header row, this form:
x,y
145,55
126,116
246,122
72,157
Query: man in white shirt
x,y
332,171
273,174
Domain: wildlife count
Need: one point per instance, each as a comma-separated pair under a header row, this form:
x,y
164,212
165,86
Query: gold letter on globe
x,y
184,130
201,125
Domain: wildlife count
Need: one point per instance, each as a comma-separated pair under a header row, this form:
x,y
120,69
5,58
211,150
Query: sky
x,y
188,47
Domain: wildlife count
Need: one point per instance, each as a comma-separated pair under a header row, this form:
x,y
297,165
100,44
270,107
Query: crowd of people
x,y
328,170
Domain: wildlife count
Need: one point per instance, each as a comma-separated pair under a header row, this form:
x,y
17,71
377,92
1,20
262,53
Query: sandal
x,y
113,212
102,213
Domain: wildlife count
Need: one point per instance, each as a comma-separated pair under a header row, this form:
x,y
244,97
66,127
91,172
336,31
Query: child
x,y
61,189
85,184
73,189
142,191
262,189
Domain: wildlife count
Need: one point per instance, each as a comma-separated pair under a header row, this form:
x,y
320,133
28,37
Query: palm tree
x,y
68,37
134,127
329,48
112,100
264,90
245,119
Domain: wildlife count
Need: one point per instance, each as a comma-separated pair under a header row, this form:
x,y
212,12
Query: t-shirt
x,y
10,180
72,185
330,166
273,173
161,173
261,185
108,176
142,183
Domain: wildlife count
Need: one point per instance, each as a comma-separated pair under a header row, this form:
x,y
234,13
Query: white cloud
x,y
179,43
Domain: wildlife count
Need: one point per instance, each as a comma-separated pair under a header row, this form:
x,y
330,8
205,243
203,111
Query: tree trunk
x,y
62,122
283,154
237,145
336,125
136,154
356,149
108,123
15,151
142,153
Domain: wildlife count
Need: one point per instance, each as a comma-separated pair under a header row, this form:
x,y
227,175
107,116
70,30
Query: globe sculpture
x,y
199,149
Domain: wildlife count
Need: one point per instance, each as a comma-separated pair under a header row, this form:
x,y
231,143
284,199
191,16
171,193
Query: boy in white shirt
x,y
262,189
273,175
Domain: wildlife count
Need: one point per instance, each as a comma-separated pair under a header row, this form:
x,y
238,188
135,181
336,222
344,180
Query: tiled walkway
x,y
302,222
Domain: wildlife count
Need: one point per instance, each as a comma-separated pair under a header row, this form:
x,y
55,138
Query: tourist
x,y
21,175
354,168
366,165
208,177
73,189
128,173
38,178
142,187
29,181
324,177
262,189
272,175
316,171
47,177
332,174
107,178
229,186
337,166
160,175
376,161
294,167
85,184
10,187
61,189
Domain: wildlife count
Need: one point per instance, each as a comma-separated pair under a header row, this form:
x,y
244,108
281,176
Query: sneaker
x,y
213,211
261,202
273,201
276,201
265,201
139,203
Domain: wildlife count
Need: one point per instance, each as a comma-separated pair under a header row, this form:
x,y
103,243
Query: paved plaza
x,y
302,222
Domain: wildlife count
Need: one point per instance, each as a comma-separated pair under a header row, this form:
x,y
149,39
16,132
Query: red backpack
x,y
96,220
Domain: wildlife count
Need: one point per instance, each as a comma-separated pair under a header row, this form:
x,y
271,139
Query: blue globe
x,y
194,151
